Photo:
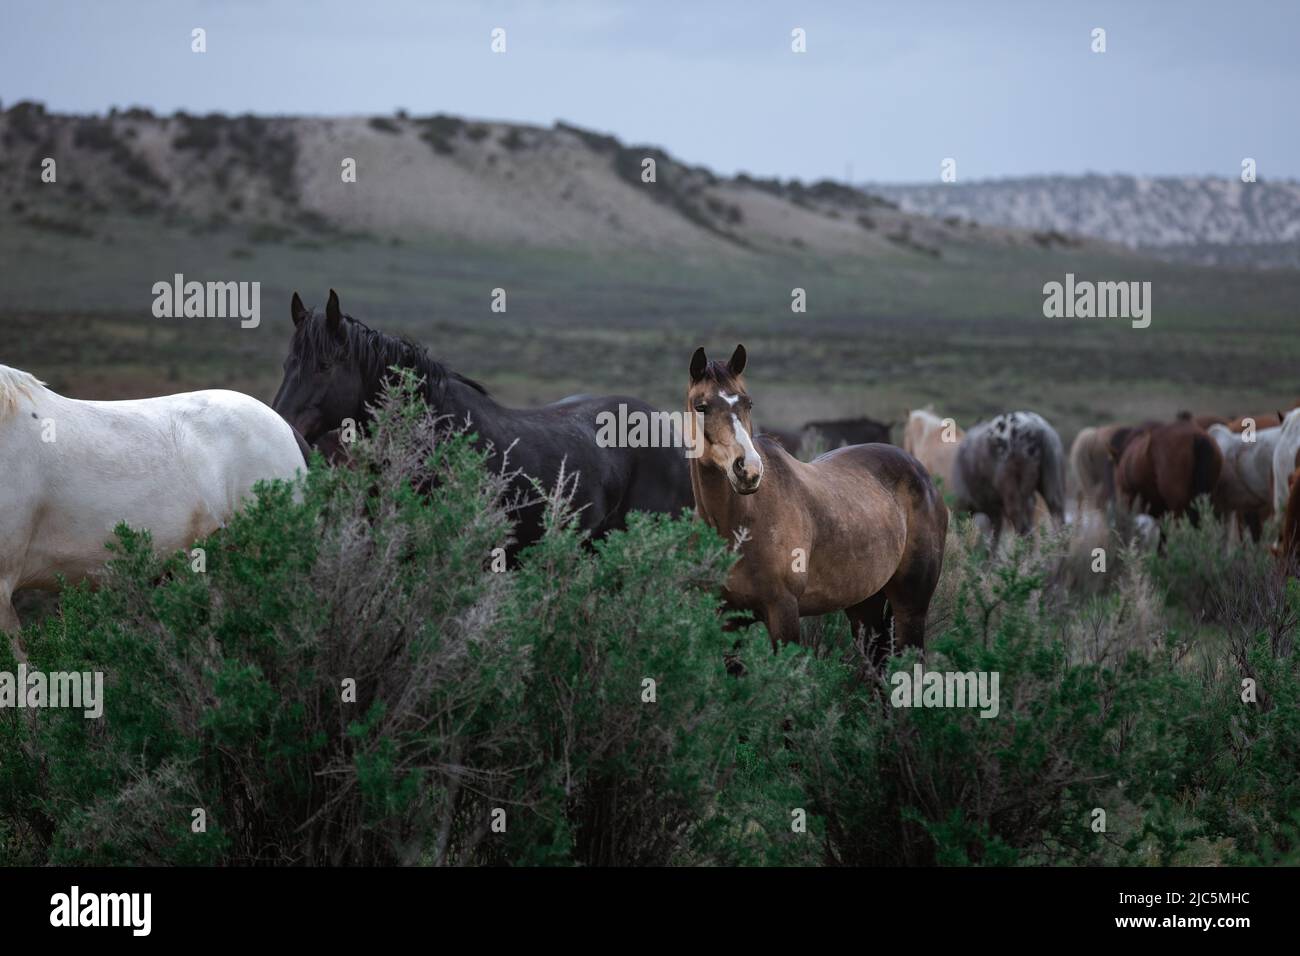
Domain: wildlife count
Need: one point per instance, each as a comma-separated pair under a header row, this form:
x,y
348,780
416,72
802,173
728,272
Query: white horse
x,y
1284,458
177,465
1245,487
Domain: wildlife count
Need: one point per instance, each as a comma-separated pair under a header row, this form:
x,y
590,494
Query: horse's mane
x,y
15,383
926,415
720,374
376,351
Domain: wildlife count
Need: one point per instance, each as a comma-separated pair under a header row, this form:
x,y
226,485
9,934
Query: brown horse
x,y
1162,468
854,528
1266,420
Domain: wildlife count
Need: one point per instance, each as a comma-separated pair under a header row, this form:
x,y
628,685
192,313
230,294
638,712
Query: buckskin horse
x,y
336,369
849,531
177,466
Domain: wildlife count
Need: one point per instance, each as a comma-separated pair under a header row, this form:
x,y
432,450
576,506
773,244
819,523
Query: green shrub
x,y
577,710
944,785
474,690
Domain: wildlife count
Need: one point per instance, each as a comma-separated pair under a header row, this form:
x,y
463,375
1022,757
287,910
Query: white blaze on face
x,y
752,460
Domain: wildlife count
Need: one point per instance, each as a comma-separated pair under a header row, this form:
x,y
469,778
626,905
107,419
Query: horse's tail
x,y
1051,475
1207,463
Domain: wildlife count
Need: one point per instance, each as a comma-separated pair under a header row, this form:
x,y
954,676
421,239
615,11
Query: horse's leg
x,y
731,659
869,621
9,623
1255,524
1053,497
995,520
913,584
782,619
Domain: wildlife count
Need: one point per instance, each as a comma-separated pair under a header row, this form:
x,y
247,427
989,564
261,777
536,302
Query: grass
x,y
964,332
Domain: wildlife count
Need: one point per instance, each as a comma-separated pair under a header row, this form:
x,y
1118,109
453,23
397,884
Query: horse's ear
x,y
297,310
333,314
736,364
699,362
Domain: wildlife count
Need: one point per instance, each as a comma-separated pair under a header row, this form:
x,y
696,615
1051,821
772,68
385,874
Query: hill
x,y
1202,220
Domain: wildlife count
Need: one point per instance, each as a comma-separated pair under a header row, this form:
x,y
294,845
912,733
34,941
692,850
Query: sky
x,y
885,92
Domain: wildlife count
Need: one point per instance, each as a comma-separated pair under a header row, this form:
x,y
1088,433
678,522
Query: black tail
x,y
1206,464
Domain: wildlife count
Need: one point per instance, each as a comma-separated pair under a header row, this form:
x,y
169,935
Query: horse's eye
x,y
702,408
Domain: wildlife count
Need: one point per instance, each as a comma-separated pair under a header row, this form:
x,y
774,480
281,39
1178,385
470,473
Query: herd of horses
x,y
859,529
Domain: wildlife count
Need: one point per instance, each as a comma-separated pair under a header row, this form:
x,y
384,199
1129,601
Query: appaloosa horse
x,y
1003,463
177,466
336,369
854,528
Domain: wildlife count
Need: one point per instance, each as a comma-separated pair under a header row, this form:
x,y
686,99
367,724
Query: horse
x,y
1284,456
336,369
1161,468
1093,469
1003,463
848,431
849,531
791,441
833,434
1288,548
1245,486
932,443
178,466
1265,420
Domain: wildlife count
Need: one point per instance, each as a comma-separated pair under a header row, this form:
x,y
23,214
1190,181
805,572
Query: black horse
x,y
833,434
337,366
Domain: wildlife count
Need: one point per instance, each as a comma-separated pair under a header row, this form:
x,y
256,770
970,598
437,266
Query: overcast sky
x,y
886,90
